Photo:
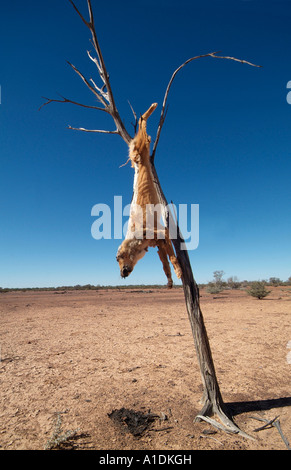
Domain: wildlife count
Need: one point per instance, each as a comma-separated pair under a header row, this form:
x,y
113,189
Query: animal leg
x,y
172,256
163,235
164,259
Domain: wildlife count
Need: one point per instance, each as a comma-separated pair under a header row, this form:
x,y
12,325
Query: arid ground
x,y
69,359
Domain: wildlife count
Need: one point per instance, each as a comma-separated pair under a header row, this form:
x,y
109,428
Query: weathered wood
x,y
272,423
212,399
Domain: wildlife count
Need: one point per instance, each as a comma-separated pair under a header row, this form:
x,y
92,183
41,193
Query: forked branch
x,y
106,98
66,100
103,93
164,109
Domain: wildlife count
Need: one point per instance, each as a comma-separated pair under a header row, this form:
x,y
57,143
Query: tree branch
x,y
164,109
93,130
106,98
95,92
234,58
99,90
66,100
81,16
103,73
135,117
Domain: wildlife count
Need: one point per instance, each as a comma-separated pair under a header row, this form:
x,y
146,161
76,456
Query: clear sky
x,y
225,144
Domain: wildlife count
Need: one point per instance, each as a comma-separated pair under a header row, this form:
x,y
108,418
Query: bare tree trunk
x,y
213,403
212,399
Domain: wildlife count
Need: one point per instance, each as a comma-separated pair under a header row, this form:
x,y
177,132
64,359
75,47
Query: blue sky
x,y
225,144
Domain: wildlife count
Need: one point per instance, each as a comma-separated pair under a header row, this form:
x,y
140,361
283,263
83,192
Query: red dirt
x,y
82,354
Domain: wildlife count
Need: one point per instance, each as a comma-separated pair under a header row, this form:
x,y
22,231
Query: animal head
x,y
128,254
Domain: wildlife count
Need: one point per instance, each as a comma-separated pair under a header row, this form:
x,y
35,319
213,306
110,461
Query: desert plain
x,y
72,360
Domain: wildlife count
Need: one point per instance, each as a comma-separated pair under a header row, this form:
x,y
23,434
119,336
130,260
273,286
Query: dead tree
x,y
212,399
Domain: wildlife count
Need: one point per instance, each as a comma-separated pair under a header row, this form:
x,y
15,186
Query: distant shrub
x,y
275,281
233,282
218,275
258,290
214,288
3,290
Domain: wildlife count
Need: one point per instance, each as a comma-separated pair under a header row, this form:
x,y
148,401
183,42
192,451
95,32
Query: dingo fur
x,y
141,234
